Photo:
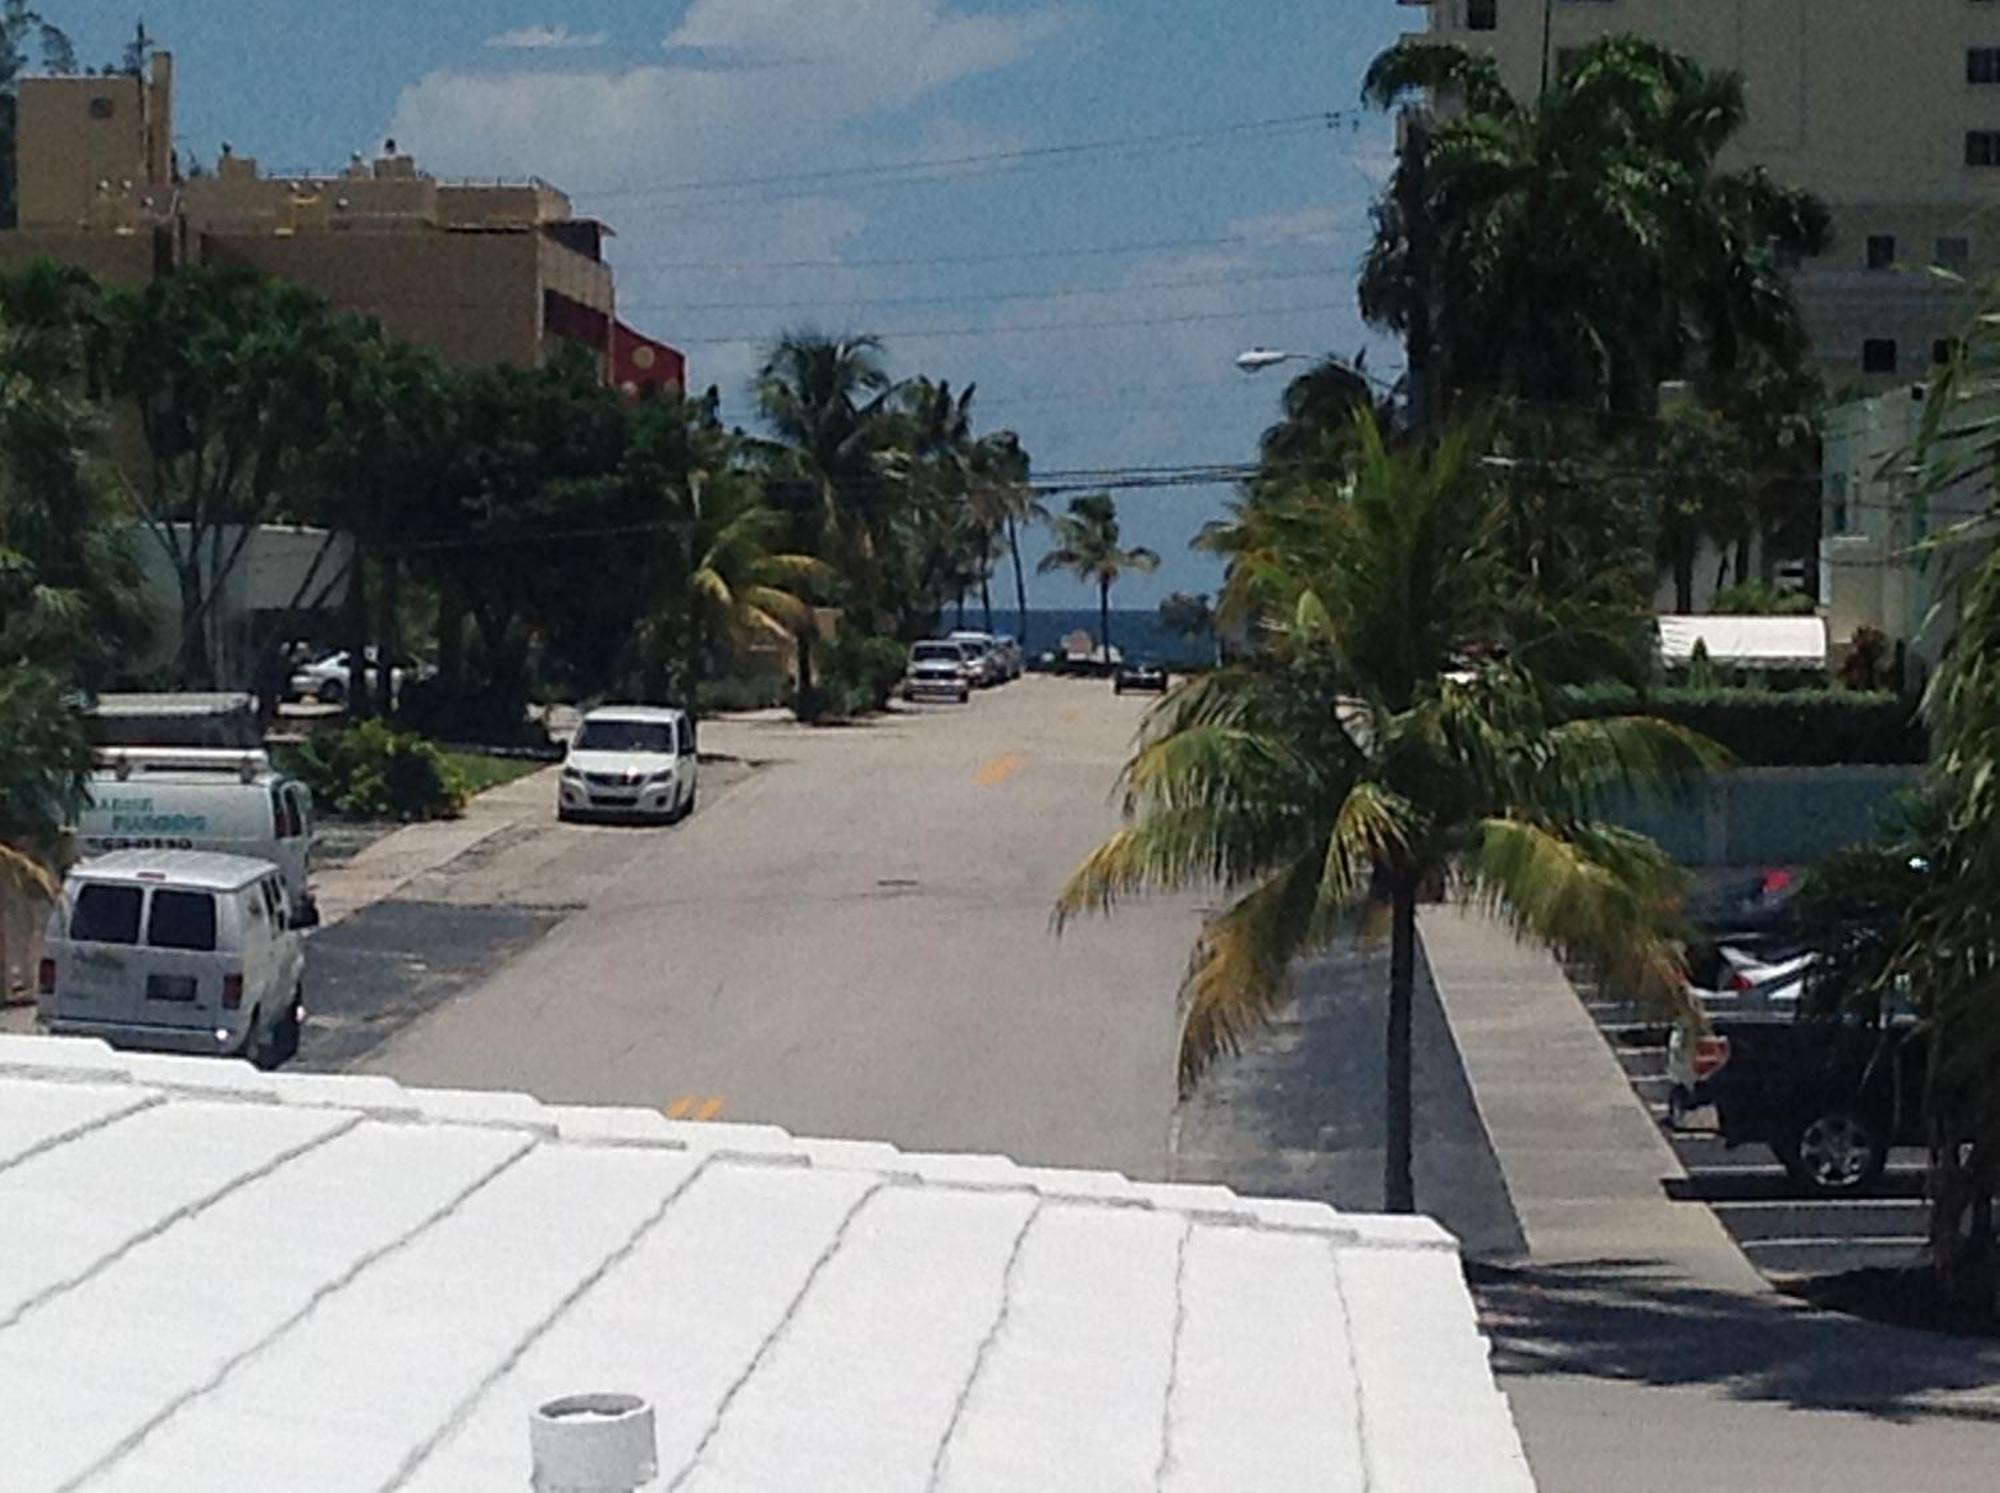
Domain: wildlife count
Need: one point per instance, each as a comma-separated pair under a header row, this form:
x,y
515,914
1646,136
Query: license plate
x,y
170,988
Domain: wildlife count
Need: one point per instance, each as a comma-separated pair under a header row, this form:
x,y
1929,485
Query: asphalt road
x,y
849,938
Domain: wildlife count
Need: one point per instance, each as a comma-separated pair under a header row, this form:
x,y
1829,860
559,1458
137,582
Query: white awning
x,y
1745,642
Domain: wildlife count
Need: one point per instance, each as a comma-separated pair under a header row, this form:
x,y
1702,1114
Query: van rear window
x,y
106,914
182,920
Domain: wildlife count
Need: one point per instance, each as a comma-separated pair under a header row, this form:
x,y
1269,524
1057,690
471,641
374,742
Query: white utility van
x,y
176,950
227,800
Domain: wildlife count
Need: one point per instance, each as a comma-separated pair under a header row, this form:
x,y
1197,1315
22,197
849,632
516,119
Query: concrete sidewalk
x,y
1583,1160
394,861
1640,1349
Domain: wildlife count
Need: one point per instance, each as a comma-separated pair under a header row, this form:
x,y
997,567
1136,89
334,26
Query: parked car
x,y
940,669
1011,654
230,801
1139,674
330,680
176,950
984,650
1828,1094
636,761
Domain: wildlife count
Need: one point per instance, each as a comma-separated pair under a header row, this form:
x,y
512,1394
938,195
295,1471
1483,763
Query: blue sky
x,y
1218,227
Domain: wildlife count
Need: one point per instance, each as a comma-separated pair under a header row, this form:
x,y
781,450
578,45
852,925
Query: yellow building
x,y
1888,109
482,273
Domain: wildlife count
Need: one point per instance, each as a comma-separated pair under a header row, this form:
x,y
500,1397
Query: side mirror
x,y
305,916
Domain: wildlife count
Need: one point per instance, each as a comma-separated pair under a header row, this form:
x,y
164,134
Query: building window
x,y
1982,147
1878,355
1982,65
1881,250
102,107
1943,350
1482,15
1953,253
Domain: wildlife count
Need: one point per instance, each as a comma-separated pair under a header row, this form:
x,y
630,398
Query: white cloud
x,y
619,139
546,38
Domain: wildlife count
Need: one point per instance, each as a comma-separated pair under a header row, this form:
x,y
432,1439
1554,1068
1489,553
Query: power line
x,y
921,168
1155,246
1185,283
917,334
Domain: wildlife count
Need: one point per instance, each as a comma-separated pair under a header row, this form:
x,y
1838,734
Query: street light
x,y
1257,359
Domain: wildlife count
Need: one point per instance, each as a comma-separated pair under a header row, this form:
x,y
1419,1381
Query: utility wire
x,y
917,167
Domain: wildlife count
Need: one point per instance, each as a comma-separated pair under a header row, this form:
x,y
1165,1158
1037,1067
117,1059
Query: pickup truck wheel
x,y
1835,1152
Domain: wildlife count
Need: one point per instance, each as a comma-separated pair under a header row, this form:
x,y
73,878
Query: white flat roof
x,y
217,1279
1746,642
659,714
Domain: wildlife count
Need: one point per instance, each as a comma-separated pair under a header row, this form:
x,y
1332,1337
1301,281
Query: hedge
x,y
1774,728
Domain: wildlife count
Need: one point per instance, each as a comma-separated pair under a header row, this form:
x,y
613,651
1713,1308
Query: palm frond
x,y
1240,971
1595,892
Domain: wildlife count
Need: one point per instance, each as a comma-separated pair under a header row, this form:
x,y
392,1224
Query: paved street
x,y
849,938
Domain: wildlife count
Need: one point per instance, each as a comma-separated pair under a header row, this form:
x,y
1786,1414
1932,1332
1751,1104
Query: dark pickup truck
x,y
1828,1095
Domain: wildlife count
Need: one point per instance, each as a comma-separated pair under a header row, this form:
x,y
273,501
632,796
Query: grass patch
x,y
480,772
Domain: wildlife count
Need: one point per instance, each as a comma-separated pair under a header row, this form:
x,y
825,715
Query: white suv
x,y
634,761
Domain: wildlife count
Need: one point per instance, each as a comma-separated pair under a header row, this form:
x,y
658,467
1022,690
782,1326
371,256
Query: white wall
x,y
267,578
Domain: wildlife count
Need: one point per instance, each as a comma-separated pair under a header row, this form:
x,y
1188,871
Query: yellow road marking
x,y
999,770
694,1107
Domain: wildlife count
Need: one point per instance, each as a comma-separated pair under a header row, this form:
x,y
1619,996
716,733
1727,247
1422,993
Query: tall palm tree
x,y
826,401
1087,545
1379,746
1004,504
1582,247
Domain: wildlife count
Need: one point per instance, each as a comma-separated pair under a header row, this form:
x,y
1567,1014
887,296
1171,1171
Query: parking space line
x,y
1835,1241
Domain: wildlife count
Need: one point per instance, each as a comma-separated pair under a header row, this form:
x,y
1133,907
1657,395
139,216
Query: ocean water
x,y
1136,633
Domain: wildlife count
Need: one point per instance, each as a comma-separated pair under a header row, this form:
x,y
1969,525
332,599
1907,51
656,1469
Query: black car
x,y
1828,1094
1141,674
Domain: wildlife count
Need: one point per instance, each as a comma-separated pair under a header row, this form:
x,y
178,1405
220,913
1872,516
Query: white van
x,y
228,801
176,950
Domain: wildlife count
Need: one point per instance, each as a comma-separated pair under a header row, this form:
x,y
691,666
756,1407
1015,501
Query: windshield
x,y
656,737
937,653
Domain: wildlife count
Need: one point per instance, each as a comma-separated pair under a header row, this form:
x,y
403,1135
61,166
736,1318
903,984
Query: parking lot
x,y
1783,1230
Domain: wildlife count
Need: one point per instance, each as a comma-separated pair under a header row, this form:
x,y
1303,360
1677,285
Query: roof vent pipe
x,y
595,1443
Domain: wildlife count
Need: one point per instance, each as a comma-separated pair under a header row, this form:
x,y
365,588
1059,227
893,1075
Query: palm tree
x,y
826,400
739,588
1087,546
1378,747
1581,248
1004,504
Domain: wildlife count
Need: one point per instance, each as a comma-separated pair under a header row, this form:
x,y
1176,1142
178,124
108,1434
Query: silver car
x,y
940,670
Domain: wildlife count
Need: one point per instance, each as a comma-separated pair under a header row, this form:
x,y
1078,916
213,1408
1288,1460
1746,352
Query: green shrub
x,y
857,675
371,771
1773,728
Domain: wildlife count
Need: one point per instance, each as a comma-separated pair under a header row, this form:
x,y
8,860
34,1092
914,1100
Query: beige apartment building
x,y
1888,109
482,273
